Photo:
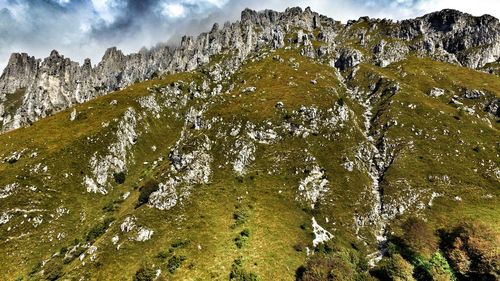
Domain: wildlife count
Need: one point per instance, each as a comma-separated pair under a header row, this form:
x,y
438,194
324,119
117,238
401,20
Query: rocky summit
x,y
283,146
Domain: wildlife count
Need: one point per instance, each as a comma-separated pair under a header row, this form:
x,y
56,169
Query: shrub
x,y
299,247
320,267
240,217
341,264
154,75
52,270
325,248
119,177
395,268
180,243
145,191
439,268
36,268
12,160
239,242
174,263
98,229
63,250
239,274
340,102
163,255
110,207
245,232
145,273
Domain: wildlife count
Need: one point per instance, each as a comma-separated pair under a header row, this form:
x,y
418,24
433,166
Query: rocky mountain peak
x,y
54,54
17,74
112,53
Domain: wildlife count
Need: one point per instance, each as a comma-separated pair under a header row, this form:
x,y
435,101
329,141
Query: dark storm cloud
x,y
85,28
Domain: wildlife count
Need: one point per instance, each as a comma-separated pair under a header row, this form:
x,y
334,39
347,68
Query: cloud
x,y
173,10
85,28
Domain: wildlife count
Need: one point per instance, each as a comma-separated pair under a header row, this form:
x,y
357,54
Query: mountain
x,y
282,146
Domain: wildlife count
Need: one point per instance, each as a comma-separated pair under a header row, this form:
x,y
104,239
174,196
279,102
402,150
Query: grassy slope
x,y
275,216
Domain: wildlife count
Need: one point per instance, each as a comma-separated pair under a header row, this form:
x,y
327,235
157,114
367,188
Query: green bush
x,y
110,207
180,243
239,242
119,177
52,270
340,102
63,250
338,264
242,238
174,263
145,191
11,160
145,273
163,255
299,247
439,268
395,268
240,217
36,268
239,274
98,229
245,232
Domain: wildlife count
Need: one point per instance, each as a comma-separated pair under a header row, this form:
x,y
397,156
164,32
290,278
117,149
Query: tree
x,y
395,268
473,251
419,238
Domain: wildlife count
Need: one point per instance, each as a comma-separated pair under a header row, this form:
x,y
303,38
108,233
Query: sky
x,y
82,29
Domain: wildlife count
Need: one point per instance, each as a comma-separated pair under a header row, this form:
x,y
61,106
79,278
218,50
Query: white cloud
x,y
173,10
106,9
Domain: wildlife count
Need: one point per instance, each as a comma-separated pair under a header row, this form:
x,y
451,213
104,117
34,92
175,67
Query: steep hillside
x,y
284,163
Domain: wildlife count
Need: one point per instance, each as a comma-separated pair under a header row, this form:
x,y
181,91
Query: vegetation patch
x,y
98,229
145,191
239,274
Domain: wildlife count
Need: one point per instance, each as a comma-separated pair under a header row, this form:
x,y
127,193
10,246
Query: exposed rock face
x,y
18,74
474,41
494,107
190,166
387,53
320,234
436,92
349,58
31,88
116,160
314,185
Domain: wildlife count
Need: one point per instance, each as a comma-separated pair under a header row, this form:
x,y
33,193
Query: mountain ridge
x,y
55,83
